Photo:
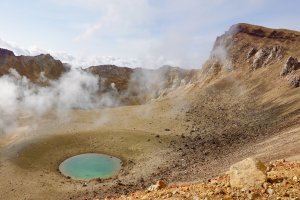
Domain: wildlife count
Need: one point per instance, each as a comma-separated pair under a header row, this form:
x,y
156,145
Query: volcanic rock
x,y
294,80
265,56
247,173
157,186
290,71
291,65
251,53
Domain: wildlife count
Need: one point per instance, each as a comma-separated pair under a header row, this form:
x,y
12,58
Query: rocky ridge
x,y
249,47
129,86
138,85
33,67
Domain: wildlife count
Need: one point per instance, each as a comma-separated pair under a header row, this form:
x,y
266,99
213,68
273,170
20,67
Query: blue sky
x,y
133,32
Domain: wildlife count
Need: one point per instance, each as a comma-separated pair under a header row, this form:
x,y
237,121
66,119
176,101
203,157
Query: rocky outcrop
x,y
294,80
157,186
291,65
5,52
264,56
244,44
4,55
251,53
248,173
247,47
31,66
291,71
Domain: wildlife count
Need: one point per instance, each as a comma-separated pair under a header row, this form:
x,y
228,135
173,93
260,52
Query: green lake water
x,y
90,166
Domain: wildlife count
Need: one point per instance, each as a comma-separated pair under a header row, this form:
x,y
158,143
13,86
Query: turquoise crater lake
x,y
90,166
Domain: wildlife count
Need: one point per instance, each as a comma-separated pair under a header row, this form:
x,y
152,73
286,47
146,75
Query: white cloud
x,y
155,32
164,32
14,47
118,18
74,89
76,62
89,31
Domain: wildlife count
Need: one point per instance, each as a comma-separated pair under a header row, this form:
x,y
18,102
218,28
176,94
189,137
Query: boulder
x,y
291,65
157,186
291,71
247,173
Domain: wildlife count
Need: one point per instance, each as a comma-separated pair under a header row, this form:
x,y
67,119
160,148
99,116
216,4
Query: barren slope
x,y
240,107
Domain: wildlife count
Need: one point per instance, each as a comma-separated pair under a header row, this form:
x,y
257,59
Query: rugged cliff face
x,y
33,67
248,47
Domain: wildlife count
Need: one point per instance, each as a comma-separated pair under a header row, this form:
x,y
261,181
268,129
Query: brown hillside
x,y
240,106
246,47
138,85
120,76
31,66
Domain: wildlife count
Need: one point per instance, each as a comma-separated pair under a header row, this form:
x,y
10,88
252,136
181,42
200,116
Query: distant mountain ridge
x,y
138,85
244,47
130,85
31,66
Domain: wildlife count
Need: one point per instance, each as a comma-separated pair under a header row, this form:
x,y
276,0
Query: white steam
x,y
75,89
221,54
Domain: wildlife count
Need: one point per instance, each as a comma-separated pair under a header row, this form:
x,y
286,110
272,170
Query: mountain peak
x,y
250,47
6,52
